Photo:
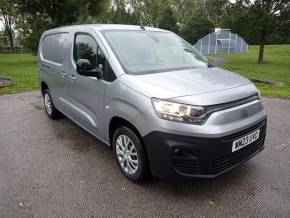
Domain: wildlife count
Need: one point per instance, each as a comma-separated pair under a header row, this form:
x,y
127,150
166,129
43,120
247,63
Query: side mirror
x,y
85,68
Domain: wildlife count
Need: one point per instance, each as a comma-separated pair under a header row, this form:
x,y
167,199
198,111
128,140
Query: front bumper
x,y
173,156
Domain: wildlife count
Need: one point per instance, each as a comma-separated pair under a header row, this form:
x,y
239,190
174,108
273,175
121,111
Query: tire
x,y
130,160
50,110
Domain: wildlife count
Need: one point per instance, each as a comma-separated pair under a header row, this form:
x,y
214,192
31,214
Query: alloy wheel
x,y
48,103
127,154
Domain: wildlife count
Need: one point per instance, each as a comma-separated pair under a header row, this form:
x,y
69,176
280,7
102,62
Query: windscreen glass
x,y
152,51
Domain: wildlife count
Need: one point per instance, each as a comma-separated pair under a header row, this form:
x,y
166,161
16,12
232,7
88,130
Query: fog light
x,y
176,150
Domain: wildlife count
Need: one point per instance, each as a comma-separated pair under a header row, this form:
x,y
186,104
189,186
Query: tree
x,y
7,16
216,11
168,20
38,16
122,13
197,21
261,19
259,22
149,11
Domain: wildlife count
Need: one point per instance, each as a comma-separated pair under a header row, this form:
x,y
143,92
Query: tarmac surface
x,y
56,169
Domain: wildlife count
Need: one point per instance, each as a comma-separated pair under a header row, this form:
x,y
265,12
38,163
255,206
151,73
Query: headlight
x,y
179,112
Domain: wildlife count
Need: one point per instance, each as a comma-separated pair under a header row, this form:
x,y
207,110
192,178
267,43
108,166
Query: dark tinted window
x,y
109,73
101,59
85,48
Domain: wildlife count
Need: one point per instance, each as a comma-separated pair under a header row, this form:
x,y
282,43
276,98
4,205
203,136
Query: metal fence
x,y
221,42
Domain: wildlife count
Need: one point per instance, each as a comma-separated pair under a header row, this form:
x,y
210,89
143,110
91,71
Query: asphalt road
x,y
55,169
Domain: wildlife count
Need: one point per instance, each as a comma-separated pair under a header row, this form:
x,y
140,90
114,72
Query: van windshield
x,y
142,52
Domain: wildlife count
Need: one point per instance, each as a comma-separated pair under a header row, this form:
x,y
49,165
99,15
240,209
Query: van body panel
x,y
53,73
219,97
93,102
86,94
219,124
128,106
185,82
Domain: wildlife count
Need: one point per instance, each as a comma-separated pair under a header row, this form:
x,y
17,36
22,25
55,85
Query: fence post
x,y
229,42
201,46
215,43
236,43
208,44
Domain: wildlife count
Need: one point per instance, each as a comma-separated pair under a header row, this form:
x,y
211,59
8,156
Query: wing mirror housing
x,y
85,68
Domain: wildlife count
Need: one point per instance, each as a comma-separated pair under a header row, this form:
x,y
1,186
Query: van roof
x,y
104,27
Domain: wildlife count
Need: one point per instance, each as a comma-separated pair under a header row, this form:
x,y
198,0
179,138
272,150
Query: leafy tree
x,y
29,28
7,16
168,20
197,22
216,11
94,11
149,11
260,20
38,16
122,13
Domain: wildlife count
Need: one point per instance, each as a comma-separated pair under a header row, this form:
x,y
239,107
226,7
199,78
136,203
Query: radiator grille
x,y
221,164
187,166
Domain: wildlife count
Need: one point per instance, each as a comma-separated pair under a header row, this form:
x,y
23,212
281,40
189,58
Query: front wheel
x,y
130,154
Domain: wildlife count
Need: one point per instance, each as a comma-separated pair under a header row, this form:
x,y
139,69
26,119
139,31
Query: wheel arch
x,y
117,122
43,86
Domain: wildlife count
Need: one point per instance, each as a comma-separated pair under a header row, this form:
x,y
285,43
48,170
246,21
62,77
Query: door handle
x,y
63,74
72,78
45,65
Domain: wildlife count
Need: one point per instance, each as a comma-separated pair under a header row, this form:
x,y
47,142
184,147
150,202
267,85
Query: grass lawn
x,y
276,68
22,69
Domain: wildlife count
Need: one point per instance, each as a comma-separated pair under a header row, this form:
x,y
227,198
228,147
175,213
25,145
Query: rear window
x,y
55,47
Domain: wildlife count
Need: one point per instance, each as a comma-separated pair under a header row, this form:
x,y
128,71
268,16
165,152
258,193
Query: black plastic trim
x,y
175,157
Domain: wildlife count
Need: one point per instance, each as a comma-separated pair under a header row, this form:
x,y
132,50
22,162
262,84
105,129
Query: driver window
x,y
85,47
101,59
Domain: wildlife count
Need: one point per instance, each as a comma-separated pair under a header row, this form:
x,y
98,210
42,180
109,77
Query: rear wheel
x,y
130,154
51,111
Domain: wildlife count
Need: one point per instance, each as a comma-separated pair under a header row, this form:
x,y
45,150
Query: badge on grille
x,y
244,113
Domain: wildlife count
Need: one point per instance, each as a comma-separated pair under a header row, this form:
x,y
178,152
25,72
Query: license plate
x,y
246,140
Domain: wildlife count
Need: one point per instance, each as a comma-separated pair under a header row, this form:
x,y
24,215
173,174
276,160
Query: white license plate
x,y
246,140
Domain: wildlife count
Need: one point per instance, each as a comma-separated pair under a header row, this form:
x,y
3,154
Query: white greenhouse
x,y
222,41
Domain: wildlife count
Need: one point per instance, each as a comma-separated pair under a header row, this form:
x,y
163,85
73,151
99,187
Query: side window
x,y
61,47
55,47
101,59
85,47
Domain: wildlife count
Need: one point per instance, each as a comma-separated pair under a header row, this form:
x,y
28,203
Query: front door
x,y
87,93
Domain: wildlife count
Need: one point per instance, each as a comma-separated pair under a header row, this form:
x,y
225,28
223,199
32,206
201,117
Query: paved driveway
x,y
55,169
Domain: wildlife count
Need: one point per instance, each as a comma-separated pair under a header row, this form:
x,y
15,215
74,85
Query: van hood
x,y
184,82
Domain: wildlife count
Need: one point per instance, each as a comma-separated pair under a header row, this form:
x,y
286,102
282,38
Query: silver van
x,y
150,95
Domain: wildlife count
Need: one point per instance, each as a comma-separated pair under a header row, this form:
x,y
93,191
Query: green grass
x,y
276,68
22,69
